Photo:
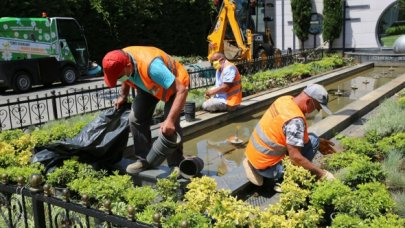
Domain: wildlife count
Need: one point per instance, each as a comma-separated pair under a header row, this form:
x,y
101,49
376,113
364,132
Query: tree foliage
x,y
301,10
179,27
332,21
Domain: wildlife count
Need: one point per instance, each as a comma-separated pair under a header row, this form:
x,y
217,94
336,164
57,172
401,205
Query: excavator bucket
x,y
231,52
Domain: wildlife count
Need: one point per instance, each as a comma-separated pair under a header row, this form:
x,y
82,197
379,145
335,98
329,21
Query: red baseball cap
x,y
114,63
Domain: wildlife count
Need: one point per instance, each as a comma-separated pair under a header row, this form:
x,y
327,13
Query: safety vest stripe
x,y
233,92
236,83
264,150
273,111
275,147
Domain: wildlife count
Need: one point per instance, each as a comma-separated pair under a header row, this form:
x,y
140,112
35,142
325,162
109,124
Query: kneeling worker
x,y
282,131
227,92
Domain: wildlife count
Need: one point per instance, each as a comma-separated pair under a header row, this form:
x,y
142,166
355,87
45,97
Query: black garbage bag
x,y
100,143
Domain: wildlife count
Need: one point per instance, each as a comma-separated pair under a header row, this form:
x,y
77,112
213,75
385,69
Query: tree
x,y
301,10
332,20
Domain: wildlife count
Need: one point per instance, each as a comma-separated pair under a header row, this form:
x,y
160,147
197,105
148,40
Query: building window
x,y
391,24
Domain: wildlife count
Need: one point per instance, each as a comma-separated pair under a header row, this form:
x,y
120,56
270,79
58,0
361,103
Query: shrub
x,y
369,201
309,217
395,30
164,209
71,170
359,146
140,197
168,188
391,143
326,192
341,160
189,218
111,187
389,220
347,221
14,172
200,193
360,172
228,211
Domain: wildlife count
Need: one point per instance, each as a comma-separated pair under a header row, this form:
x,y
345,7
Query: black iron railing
x,y
37,206
26,112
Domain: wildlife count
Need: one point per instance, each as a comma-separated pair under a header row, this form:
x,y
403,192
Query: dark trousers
x,y
140,120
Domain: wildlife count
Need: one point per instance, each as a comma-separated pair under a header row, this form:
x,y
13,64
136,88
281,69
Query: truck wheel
x,y
69,75
22,81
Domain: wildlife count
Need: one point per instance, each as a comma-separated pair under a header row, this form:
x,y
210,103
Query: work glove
x,y
327,176
325,146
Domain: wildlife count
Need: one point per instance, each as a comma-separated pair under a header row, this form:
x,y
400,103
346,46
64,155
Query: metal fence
x,y
26,112
37,206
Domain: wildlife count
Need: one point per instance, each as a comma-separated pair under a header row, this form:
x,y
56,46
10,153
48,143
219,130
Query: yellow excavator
x,y
242,30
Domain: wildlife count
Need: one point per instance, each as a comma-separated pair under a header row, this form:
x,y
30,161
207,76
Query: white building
x,y
365,24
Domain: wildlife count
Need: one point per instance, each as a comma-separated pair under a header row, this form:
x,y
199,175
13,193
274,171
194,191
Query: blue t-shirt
x,y
158,72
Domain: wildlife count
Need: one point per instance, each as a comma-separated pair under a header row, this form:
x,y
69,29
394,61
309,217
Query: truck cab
x,y
37,51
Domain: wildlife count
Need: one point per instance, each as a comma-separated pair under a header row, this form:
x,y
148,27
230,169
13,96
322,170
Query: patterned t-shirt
x,y
294,132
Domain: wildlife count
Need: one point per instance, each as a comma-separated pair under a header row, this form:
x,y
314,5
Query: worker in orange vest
x,y
282,131
226,95
157,77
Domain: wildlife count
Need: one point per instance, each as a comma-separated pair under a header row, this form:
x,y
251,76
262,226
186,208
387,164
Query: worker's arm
x,y
228,76
297,159
168,126
123,96
222,89
294,131
164,77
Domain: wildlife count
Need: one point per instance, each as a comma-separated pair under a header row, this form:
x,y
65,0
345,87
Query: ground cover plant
x,y
373,168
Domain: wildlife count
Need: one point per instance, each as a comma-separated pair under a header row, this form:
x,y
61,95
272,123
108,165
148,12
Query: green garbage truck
x,y
40,51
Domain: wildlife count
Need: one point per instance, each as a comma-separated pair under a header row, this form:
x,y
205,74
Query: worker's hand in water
x,y
120,101
167,127
325,146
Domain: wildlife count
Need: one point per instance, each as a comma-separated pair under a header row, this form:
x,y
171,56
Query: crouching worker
x,y
157,76
226,95
282,131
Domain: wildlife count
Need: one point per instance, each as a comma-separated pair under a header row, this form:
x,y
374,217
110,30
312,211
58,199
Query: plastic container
x,y
191,167
189,110
161,148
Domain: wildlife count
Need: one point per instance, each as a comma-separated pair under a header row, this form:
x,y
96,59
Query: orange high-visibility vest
x,y
144,56
267,144
234,94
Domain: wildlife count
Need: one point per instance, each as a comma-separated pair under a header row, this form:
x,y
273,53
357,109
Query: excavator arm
x,y
217,40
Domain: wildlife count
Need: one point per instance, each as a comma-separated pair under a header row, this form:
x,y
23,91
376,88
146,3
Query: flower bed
x,y
369,190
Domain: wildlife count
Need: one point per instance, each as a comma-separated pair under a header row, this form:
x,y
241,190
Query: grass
x,y
399,198
388,41
395,179
388,120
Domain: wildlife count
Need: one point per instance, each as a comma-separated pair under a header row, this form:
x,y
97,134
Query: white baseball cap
x,y
320,94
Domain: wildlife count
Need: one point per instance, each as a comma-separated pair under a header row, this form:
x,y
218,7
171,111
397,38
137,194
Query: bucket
x,y
189,110
161,148
191,167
